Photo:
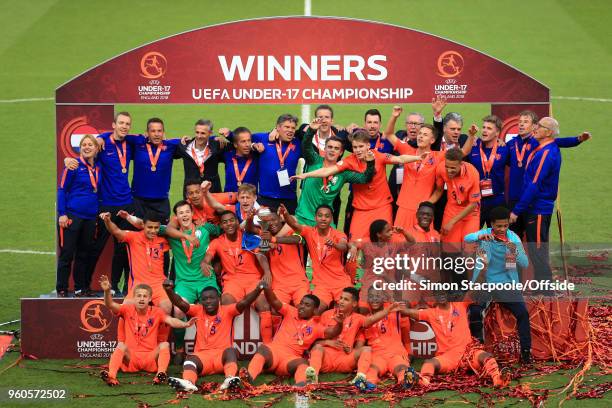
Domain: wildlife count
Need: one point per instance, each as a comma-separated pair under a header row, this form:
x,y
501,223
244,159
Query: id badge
x,y
283,177
486,188
399,175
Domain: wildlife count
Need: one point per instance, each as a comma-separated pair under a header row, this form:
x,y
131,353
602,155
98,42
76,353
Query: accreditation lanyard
x,y
283,156
195,158
154,159
93,174
378,143
240,175
540,147
122,156
188,249
487,163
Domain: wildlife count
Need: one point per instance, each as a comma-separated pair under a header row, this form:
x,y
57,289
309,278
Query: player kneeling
x,y
141,350
456,348
214,352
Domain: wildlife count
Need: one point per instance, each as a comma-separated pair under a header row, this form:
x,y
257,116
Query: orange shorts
x,y
405,218
238,289
336,361
212,361
280,359
387,361
141,361
291,295
471,223
451,360
327,293
360,223
159,294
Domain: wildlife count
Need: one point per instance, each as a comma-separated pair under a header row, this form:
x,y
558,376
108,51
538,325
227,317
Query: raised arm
x,y
308,151
323,172
381,314
411,313
132,219
389,133
210,200
249,298
289,219
273,301
469,143
174,297
112,227
108,298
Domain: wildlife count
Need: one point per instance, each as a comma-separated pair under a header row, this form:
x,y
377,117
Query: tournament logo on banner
x,y
450,65
95,317
153,66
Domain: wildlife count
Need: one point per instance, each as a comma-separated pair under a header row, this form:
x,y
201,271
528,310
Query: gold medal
x,y
95,190
459,202
520,164
301,342
153,168
124,170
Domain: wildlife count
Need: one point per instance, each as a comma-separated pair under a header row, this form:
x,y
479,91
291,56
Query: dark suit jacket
x,y
211,165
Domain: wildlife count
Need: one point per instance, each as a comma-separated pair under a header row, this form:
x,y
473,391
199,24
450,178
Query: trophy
x,y
263,213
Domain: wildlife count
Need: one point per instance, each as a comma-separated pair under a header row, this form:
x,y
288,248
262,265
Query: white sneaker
x,y
181,384
311,376
229,382
358,377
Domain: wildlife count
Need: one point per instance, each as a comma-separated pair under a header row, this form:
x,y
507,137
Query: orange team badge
x,y
153,65
95,317
450,64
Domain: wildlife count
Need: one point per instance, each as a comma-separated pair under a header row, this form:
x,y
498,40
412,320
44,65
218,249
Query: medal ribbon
x,y
153,159
122,156
93,175
188,249
195,158
519,156
240,175
487,164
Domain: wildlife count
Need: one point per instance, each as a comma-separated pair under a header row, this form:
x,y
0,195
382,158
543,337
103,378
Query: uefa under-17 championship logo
x,y
153,65
450,64
95,317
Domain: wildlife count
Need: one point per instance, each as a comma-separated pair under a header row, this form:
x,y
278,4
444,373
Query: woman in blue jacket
x,y
77,211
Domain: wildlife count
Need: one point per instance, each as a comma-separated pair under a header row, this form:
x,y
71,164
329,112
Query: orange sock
x,y
300,375
400,376
256,365
230,369
365,359
163,359
265,326
492,370
427,371
316,359
115,362
190,375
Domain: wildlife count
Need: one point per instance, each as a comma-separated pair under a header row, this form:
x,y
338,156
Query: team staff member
x,y
214,352
299,330
141,349
115,193
319,191
520,147
242,162
77,210
153,157
277,163
490,158
540,188
201,156
504,253
372,201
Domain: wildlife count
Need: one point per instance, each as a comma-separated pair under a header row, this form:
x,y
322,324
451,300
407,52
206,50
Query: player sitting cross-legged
x,y
141,350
